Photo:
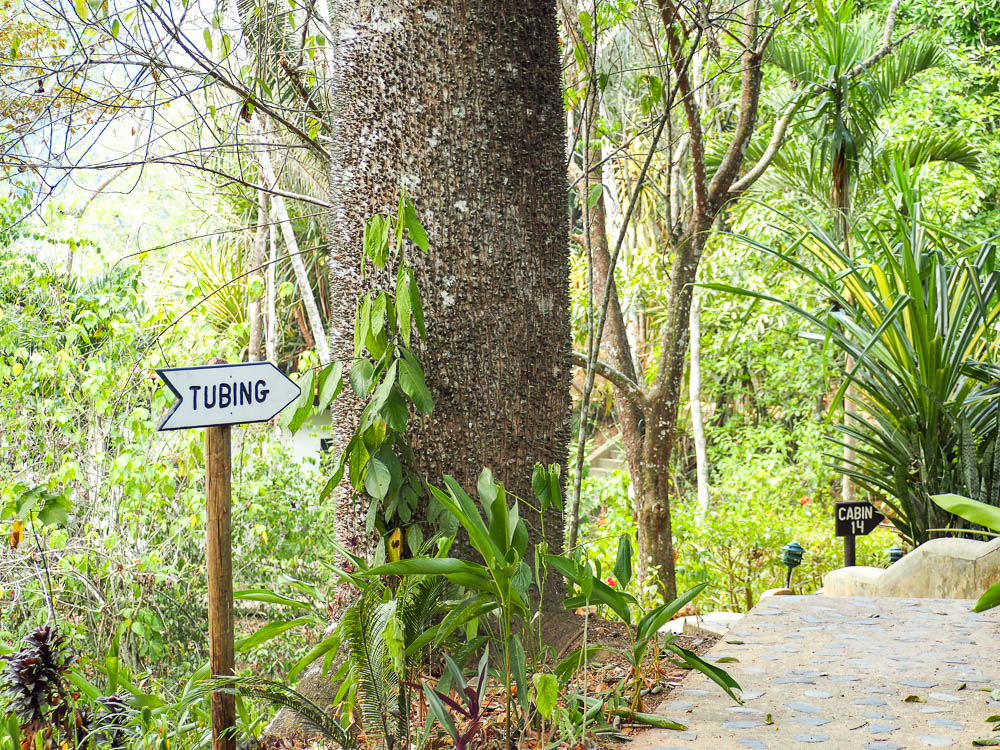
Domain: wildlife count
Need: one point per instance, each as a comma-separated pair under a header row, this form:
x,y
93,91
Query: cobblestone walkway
x,y
832,672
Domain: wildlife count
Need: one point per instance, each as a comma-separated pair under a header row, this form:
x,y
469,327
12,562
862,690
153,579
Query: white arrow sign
x,y
213,395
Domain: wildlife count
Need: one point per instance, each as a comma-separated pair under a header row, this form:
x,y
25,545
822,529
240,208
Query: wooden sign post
x,y
216,397
219,558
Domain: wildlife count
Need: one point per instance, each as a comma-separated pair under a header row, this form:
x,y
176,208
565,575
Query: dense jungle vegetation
x,y
594,308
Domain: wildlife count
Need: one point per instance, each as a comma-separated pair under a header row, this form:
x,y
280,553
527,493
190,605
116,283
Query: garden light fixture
x,y
791,558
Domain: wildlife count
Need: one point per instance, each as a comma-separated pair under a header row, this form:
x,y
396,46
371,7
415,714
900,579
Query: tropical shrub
x,y
915,312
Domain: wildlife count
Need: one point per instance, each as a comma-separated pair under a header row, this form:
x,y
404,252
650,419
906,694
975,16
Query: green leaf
x,y
650,624
417,306
411,380
376,241
403,304
487,490
599,592
394,411
623,562
273,630
414,227
82,9
208,37
518,668
437,708
378,315
55,511
594,194
360,377
971,510
546,692
299,410
718,675
414,539
574,660
269,597
377,479
331,381
989,599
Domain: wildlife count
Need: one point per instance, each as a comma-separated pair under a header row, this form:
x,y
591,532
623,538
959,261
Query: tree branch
x,y
781,127
617,378
750,77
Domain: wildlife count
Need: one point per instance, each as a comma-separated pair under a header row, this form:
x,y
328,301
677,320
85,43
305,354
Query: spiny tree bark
x,y
459,103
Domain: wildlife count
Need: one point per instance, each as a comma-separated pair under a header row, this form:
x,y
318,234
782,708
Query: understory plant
x,y
914,309
643,634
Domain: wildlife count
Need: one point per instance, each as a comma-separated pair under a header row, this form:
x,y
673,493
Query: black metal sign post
x,y
852,520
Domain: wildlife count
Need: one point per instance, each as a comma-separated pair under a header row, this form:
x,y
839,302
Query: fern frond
x,y
259,688
364,627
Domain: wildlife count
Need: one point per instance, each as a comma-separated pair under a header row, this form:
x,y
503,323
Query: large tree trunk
x,y
460,103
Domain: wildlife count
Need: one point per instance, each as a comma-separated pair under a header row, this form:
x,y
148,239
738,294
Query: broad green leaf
x,y
487,490
376,241
377,479
272,630
414,227
417,307
546,692
989,599
403,304
971,510
518,668
411,380
623,562
600,592
55,511
394,411
360,377
718,675
270,597
652,622
437,708
378,315
331,380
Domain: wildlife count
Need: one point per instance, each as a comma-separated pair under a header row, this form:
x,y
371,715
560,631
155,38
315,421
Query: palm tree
x,y
845,57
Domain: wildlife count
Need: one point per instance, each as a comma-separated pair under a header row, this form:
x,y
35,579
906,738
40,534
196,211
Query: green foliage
x,y
913,310
645,631
981,514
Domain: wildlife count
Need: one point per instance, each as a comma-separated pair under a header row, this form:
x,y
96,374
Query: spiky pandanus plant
x,y
33,681
916,309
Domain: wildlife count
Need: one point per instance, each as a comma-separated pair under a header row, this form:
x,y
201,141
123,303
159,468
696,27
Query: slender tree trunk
x,y
271,338
842,223
295,257
655,532
694,395
255,310
615,340
459,102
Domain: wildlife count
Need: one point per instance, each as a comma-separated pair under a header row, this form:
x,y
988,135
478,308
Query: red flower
x,y
611,581
804,499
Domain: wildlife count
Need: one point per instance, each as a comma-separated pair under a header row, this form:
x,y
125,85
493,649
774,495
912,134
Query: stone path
x,y
845,673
